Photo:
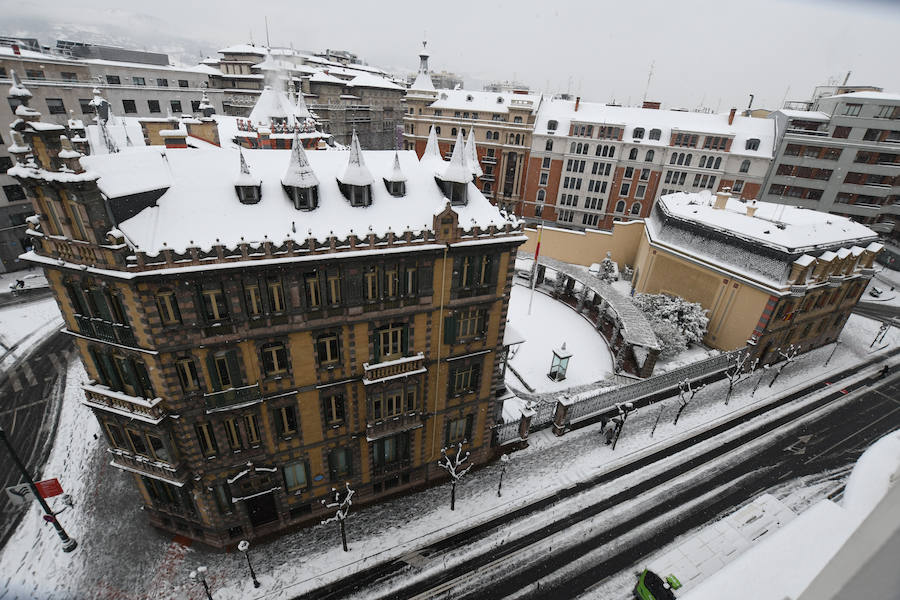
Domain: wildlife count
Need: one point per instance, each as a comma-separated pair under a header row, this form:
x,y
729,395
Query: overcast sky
x,y
705,52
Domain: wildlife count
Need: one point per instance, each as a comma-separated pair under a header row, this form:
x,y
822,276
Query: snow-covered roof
x,y
373,81
200,205
275,103
422,83
458,170
356,173
488,102
788,228
886,96
396,174
244,49
667,121
805,115
323,77
299,173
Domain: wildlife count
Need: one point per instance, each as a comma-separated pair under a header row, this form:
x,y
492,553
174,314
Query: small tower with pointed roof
x,y
423,84
248,187
206,108
472,155
455,179
356,180
395,182
299,181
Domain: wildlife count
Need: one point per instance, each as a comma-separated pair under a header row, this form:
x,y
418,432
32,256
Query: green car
x,y
651,587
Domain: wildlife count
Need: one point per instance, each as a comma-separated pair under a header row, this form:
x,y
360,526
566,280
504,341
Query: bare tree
x,y
765,369
685,388
342,506
788,355
453,466
738,371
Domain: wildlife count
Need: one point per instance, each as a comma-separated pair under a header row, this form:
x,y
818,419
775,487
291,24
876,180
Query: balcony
x,y
798,291
391,425
175,474
392,467
835,280
392,369
236,397
489,160
120,403
107,331
867,272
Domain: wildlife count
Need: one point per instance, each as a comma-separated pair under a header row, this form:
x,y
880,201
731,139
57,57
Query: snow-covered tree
x,y
789,356
738,370
686,393
675,321
627,273
342,508
453,466
609,272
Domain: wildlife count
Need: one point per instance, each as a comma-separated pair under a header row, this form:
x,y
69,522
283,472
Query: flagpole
x,y
537,252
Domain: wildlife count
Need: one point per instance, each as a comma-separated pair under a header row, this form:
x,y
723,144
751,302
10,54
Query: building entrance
x,y
262,509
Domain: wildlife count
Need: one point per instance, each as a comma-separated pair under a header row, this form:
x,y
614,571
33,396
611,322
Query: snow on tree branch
x,y
452,465
341,504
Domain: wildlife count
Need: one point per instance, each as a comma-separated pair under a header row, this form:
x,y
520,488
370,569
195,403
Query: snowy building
x,y
767,273
260,325
592,164
502,123
841,158
61,83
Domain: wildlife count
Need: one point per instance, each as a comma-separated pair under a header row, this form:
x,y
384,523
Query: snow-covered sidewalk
x,y
22,326
120,556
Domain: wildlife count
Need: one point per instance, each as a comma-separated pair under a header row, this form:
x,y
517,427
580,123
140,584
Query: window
x,y
841,132
214,306
852,110
253,299
544,178
339,463
222,372
113,80
633,154
5,164
162,82
745,166
295,476
636,209
275,360
545,163
655,134
114,433
137,442
176,106
233,434
548,147
470,323
285,420
370,279
223,498
276,296
327,349
55,106
85,106
167,306
638,133
334,288
388,404
458,430
68,76
195,105
626,187
390,342
153,106
187,374
391,281
15,193
620,206
645,174
206,438
183,83
541,195
465,379
752,144
390,450
139,81
129,106
738,186
649,156
333,409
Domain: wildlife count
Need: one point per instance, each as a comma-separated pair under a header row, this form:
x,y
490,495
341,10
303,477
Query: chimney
x,y
731,116
751,208
722,199
18,52
577,102
651,105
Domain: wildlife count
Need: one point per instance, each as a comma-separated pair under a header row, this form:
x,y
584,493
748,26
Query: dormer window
x,y
752,144
248,194
358,195
638,133
356,181
303,198
454,192
395,188
299,182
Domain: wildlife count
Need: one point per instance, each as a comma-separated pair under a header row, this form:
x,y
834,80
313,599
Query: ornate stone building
x,y
260,325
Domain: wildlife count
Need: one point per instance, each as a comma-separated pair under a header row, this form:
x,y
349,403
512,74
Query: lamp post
x,y
504,463
68,544
244,547
200,574
560,363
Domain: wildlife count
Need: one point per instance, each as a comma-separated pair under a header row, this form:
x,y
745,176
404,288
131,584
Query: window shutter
x,y
339,403
332,467
130,374
234,368
354,287
376,343
425,276
447,433
469,420
75,299
494,268
112,375
457,266
450,329
201,304
101,372
404,340
100,303
482,321
214,383
476,378
144,379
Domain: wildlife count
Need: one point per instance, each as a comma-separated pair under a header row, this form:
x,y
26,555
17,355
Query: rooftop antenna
x,y
847,78
784,100
268,44
751,102
649,77
251,35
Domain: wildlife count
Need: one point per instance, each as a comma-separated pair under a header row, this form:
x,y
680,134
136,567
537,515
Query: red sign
x,y
49,488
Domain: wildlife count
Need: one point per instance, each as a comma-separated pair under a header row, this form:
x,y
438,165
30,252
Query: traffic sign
x,y
49,488
20,494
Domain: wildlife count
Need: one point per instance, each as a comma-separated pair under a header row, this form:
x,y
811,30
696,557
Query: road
x,y
880,312
30,396
511,566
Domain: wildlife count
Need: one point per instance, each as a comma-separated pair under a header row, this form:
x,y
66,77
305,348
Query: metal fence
x,y
508,432
544,414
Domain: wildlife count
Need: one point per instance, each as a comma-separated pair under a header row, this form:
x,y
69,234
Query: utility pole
x,y
68,544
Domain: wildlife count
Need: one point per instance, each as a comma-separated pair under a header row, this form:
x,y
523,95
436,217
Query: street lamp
x,y
244,546
560,363
200,574
504,463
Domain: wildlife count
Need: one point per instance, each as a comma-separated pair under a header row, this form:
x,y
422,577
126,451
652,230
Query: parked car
x,y
876,292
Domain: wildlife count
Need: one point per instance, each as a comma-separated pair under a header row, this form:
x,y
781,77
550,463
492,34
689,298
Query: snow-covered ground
x,y
24,325
121,557
550,325
884,280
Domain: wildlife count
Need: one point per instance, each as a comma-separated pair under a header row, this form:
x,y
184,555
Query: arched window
x,y
612,151
702,161
578,148
437,130
453,132
599,150
540,195
718,162
497,136
680,158
518,139
687,161
638,133
517,119
673,159
654,134
572,148
745,166
752,144
548,146
633,154
649,156
585,149
464,132
552,125
620,206
636,208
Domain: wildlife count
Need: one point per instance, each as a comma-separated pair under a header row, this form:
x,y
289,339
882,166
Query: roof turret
x,y
299,173
472,154
423,81
458,171
396,173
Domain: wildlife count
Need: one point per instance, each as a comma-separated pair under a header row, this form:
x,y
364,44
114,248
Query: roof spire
x,y
472,154
299,173
245,178
431,147
458,171
356,172
423,81
396,172
302,111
